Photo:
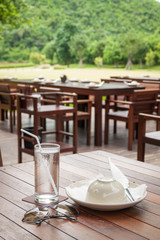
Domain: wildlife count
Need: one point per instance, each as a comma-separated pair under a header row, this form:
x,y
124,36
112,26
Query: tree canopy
x,y
59,27
12,12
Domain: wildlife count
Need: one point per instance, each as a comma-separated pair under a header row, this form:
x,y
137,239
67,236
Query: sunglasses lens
x,y
67,210
35,214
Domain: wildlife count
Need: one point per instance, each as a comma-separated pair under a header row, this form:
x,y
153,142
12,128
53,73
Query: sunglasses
x,y
41,213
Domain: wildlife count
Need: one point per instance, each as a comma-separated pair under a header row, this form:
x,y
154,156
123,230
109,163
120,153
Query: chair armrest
x,y
80,101
120,101
145,116
8,94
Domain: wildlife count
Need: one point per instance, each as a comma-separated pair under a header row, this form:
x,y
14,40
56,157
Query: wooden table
x,y
137,223
137,78
83,89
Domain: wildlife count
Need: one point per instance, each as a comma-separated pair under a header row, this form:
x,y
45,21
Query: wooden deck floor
x,y
117,143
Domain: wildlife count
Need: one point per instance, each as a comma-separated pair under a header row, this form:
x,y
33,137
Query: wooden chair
x,y
1,162
146,137
142,101
85,114
29,104
7,102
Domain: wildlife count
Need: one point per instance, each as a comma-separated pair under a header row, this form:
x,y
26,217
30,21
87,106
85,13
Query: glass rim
x,y
50,145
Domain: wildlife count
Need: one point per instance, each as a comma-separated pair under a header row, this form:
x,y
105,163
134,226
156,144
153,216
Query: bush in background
x,y
98,61
37,58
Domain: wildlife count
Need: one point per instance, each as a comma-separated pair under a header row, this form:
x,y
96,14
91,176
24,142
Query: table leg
x,y
98,121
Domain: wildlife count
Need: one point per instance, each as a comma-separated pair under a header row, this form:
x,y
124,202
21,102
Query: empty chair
x,y
141,101
28,104
146,137
84,114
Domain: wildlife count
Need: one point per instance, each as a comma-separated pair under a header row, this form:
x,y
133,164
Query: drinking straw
x,y
43,162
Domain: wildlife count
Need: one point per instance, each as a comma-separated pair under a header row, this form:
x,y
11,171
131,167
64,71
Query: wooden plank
x,y
150,207
46,231
60,229
153,198
10,230
89,174
132,224
17,173
16,184
124,162
101,167
144,216
11,195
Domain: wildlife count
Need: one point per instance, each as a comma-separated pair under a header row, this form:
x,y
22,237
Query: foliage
x,y
98,61
157,52
112,52
12,13
78,45
16,65
37,58
150,58
79,30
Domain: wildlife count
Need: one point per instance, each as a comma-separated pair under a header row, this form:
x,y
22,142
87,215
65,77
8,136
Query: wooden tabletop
x,y
139,222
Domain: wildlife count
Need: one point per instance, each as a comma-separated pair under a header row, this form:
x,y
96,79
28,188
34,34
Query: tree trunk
x,y
80,61
129,64
140,63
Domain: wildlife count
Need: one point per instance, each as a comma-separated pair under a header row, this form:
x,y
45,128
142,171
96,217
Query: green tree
x,y
95,49
12,13
150,58
128,45
63,41
49,49
112,53
78,45
157,52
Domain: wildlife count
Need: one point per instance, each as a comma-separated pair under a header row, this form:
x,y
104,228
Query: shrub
x,y
150,58
98,61
37,58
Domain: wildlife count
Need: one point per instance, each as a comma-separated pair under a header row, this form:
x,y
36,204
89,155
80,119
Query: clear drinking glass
x,y
46,173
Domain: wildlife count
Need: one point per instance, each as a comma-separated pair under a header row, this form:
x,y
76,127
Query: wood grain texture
x,y
139,222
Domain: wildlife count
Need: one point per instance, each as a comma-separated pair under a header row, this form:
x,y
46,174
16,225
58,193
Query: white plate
x,y
132,84
74,80
81,190
85,81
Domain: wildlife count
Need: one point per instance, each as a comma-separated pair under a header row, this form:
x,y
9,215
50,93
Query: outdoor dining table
x,y
139,222
82,88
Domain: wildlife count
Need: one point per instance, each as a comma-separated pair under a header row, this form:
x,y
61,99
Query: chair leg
x,y
141,144
14,117
106,130
115,127
43,123
130,135
89,132
11,122
67,129
141,151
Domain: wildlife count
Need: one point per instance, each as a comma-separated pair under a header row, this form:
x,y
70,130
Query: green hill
x,y
95,22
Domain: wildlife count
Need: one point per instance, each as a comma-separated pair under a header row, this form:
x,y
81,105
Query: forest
x,y
80,31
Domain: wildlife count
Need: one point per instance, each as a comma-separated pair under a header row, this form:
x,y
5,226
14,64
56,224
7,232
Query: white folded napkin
x,y
137,191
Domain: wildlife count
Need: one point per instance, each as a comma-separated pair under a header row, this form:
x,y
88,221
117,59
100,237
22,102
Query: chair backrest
x,y
145,101
4,88
29,104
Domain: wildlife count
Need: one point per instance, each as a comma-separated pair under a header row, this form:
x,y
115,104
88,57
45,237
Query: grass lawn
x,y
94,74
